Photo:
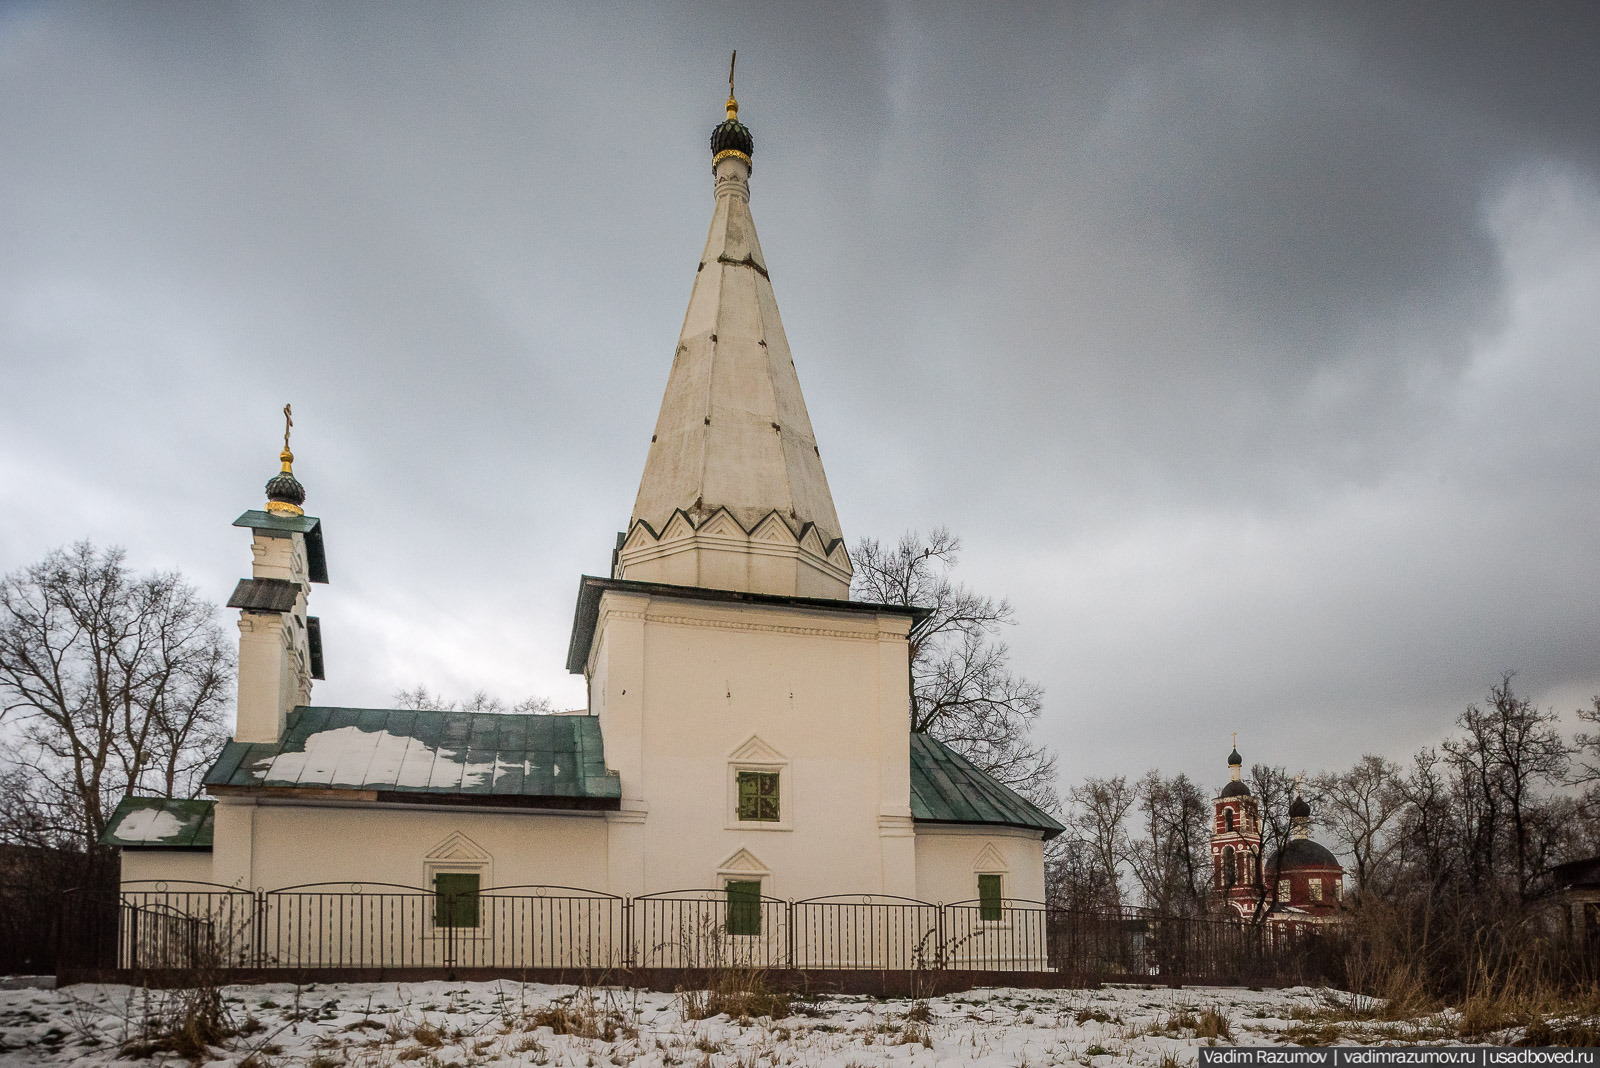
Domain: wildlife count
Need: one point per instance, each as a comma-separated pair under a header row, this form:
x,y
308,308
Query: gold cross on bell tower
x,y
288,424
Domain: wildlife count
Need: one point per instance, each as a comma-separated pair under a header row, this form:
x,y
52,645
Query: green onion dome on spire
x,y
731,137
285,495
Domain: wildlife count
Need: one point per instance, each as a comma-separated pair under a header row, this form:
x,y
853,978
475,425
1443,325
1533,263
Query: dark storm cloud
x,y
1248,346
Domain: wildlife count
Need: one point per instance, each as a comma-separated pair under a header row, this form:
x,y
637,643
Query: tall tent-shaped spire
x,y
733,494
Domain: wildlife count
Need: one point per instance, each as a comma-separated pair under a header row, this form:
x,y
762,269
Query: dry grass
x,y
1307,1034
914,1034
584,1014
1213,1024
187,1022
741,993
427,1035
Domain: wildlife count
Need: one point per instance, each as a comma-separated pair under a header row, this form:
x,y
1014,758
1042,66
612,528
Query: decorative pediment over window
x,y
755,751
458,847
743,863
989,859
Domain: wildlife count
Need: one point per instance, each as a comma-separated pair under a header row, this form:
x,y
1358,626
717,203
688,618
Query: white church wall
x,y
950,858
697,682
166,865
298,843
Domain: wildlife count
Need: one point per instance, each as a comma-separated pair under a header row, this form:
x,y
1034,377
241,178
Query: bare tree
x,y
421,698
1098,819
1073,877
963,691
116,683
1171,861
1587,749
1506,751
1430,824
1274,790
1361,807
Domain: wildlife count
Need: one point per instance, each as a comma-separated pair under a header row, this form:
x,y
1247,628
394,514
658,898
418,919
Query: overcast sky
x,y
1251,350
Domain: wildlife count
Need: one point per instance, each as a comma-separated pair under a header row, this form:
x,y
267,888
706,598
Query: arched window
x,y
1230,871
1227,818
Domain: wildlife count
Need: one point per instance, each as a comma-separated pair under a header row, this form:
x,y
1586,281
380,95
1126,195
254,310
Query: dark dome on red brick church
x,y
1299,809
1235,787
1304,853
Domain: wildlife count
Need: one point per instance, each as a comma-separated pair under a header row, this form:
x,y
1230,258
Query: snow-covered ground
x,y
376,1025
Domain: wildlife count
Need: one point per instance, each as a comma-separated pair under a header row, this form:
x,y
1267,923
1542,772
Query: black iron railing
x,y
388,927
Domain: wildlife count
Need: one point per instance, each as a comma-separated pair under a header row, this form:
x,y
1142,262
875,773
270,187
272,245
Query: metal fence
x,y
372,927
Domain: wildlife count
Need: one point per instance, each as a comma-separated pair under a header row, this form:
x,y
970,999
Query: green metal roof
x,y
265,595
282,525
403,755
160,823
946,787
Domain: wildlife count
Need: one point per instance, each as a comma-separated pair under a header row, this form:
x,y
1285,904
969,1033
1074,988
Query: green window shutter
x,y
758,796
991,906
455,899
744,908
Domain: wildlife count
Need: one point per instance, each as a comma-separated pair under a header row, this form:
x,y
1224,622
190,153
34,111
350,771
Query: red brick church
x,y
1301,886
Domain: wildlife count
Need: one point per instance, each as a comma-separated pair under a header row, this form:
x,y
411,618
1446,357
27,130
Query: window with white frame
x,y
457,871
1315,886
759,795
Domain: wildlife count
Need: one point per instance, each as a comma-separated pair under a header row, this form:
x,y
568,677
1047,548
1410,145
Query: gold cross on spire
x,y
733,105
1236,739
288,423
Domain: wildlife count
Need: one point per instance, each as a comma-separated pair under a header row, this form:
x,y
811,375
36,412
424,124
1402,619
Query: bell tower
x,y
280,645
1236,841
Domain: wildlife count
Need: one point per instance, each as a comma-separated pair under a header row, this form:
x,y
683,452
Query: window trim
x,y
756,755
458,855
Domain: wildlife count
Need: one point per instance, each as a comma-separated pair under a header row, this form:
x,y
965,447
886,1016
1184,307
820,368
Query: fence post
x,y
258,928
629,957
61,927
789,928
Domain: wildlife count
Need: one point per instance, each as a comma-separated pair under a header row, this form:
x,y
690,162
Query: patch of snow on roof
x,y
148,825
477,772
368,757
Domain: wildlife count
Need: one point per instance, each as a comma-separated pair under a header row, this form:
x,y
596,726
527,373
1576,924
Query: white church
x,y
748,725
